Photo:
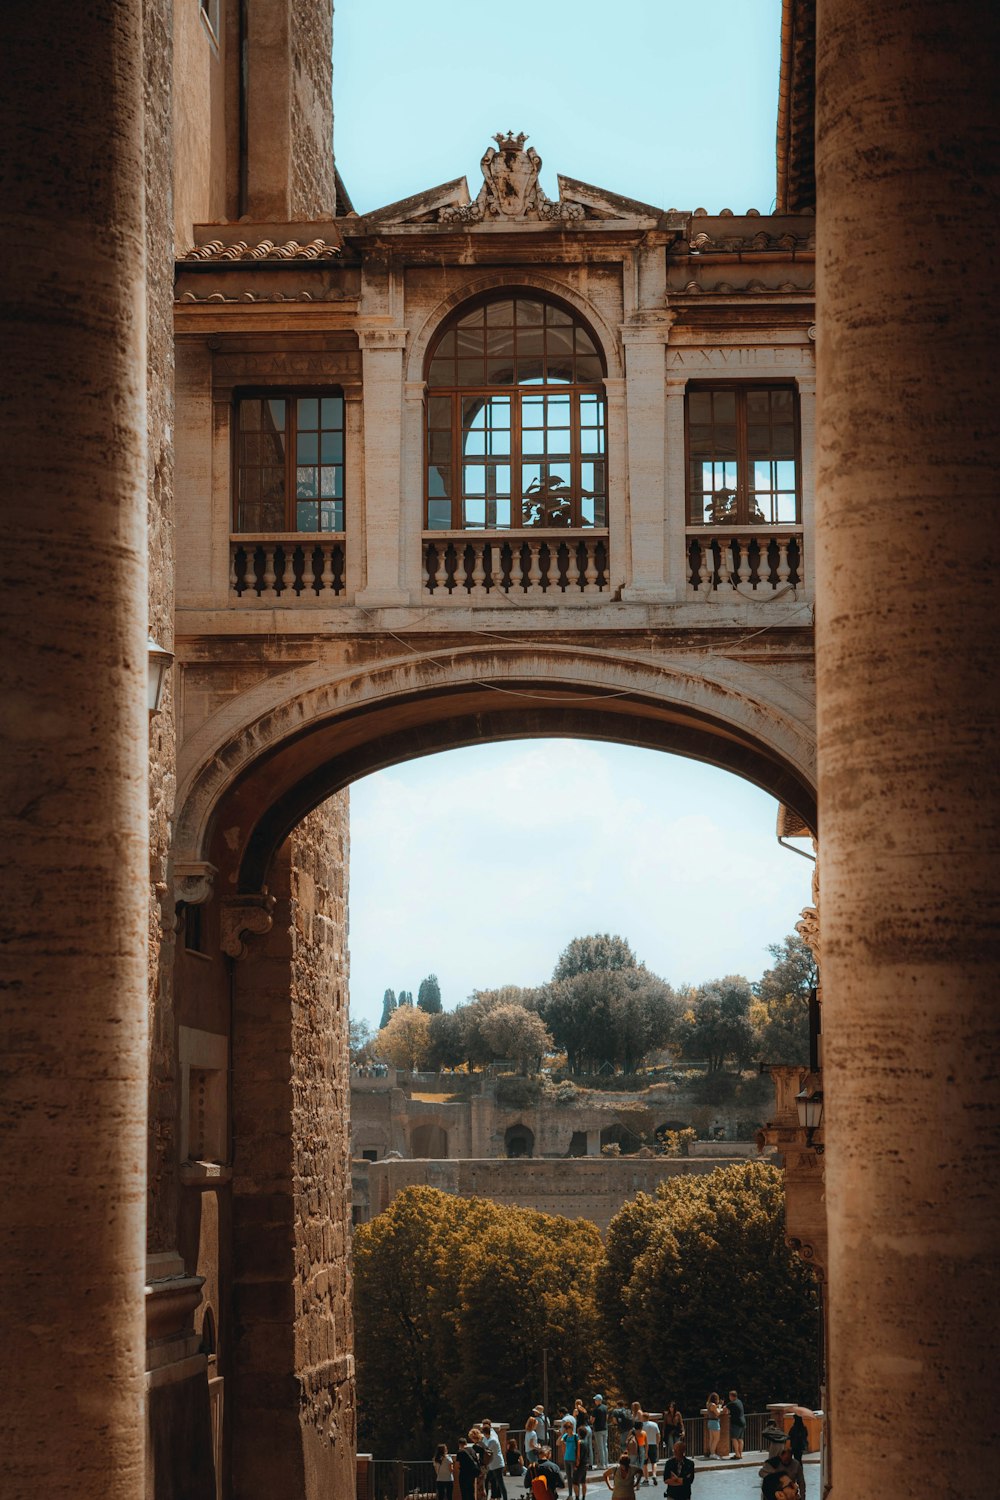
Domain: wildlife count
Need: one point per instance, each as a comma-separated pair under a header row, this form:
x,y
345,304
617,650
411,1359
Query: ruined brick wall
x,y
158,154
321,1136
311,107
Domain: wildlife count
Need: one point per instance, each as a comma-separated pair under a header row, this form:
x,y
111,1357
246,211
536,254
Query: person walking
x,y
737,1424
495,1485
599,1427
678,1474
652,1452
444,1475
713,1425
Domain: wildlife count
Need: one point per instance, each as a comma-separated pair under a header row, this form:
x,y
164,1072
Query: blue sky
x,y
480,865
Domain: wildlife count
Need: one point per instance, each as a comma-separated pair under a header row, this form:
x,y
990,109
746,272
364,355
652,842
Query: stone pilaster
x,y
908,725
382,376
645,386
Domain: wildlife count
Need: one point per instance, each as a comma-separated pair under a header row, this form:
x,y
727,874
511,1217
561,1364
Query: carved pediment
x,y
511,194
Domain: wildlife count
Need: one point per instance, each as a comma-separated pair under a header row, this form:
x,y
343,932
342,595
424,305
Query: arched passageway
x,y
263,832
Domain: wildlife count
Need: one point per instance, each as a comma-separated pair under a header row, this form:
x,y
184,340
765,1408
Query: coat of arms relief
x,y
510,188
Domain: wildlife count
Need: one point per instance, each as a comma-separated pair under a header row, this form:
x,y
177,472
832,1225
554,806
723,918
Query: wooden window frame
x,y
740,389
515,393
290,396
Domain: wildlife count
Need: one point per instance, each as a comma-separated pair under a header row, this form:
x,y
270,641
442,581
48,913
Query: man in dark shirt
x,y
737,1424
545,1469
599,1427
678,1474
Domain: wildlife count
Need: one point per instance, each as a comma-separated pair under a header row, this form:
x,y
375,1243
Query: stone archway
x,y
260,774
519,1140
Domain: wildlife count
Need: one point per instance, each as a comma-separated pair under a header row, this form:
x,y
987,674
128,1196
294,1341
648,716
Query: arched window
x,y
515,420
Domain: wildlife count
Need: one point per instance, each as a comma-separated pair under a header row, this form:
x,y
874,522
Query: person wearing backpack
x,y
543,1478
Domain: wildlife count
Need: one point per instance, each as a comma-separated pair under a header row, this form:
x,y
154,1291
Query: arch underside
x,y
267,800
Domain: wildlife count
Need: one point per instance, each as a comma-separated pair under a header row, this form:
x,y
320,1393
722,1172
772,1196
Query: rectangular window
x,y
211,14
742,455
289,463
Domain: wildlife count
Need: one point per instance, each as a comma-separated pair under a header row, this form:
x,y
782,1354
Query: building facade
x,y
479,465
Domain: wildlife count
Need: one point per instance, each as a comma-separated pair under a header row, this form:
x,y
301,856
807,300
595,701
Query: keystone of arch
x,y
513,278
235,738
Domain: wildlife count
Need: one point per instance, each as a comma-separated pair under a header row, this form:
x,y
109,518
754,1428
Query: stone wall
x,y
291,1359
312,184
592,1188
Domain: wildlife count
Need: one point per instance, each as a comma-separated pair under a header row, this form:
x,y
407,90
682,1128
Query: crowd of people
x,y
565,1451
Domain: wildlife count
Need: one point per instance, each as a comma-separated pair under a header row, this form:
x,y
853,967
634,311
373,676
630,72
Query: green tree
x,y
780,1013
429,995
446,1040
716,1026
599,951
388,1006
405,997
511,1031
454,1300
360,1041
405,1039
609,1015
699,1291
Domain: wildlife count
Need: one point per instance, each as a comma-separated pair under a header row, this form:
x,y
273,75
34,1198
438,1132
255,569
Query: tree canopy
x,y
600,950
388,1006
429,995
716,1025
615,1015
405,1039
454,1300
698,1291
779,1014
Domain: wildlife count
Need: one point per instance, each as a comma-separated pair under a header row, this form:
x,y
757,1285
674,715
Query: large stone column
x,y
74,758
908,725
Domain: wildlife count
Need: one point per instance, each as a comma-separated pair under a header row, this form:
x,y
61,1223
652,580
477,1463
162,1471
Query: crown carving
x,y
510,141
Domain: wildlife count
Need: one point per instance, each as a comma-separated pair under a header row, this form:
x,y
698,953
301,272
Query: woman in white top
x,y
531,1441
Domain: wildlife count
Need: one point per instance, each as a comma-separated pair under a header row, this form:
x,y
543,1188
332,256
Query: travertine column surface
x,y
908,726
74,755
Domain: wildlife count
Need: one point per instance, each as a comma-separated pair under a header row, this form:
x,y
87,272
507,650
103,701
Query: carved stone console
x,y
243,917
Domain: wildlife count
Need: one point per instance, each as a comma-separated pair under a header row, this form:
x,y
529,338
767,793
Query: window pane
x,y
699,406
442,372
439,447
557,411
474,514
332,411
533,411
274,416
308,412
502,512
470,342
588,369
499,371
439,411
439,480
530,314
306,516
446,348
306,483
500,313
474,479
249,415
439,515
474,319
332,515
469,372
533,440
307,448
332,448
474,441
331,481
724,406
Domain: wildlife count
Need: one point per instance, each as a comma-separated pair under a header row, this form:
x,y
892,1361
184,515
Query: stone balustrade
x,y
287,565
761,563
538,562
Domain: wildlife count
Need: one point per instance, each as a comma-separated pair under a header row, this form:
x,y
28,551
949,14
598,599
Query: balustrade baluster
x,y
589,574
743,568
725,585
783,566
269,563
534,567
326,575
706,566
234,571
478,567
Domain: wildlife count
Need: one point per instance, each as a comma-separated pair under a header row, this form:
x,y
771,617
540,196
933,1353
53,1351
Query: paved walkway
x,y
716,1479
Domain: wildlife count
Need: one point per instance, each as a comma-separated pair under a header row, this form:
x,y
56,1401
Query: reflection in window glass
x,y
530,416
289,457
742,467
